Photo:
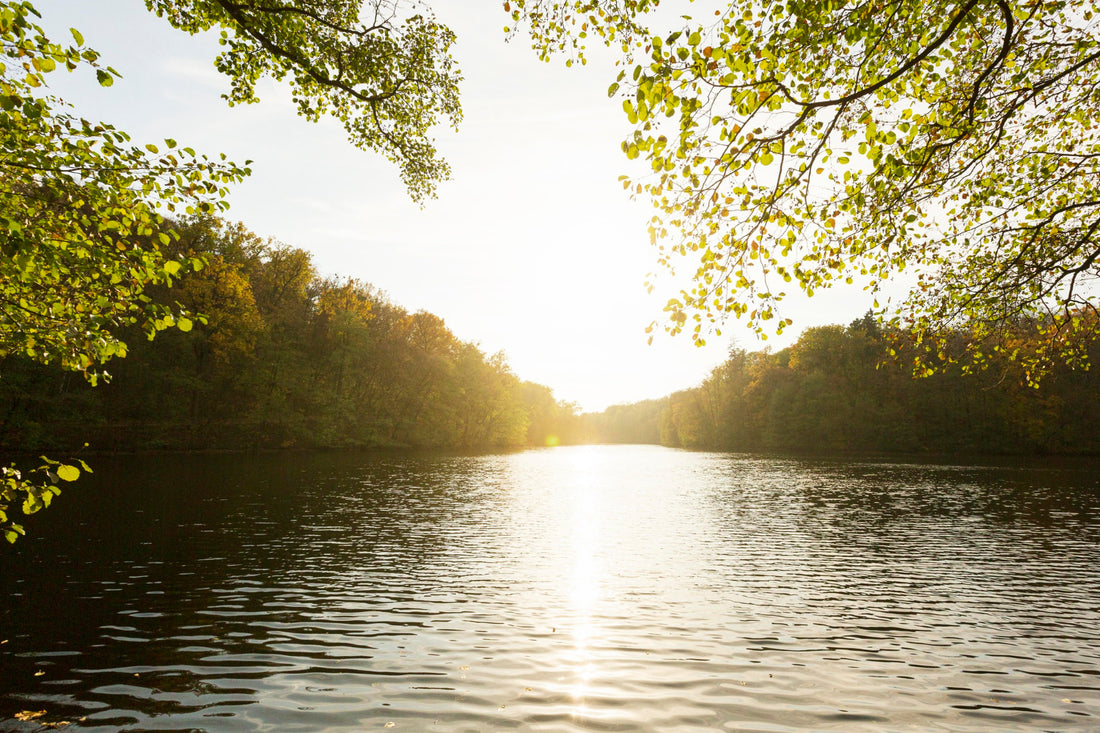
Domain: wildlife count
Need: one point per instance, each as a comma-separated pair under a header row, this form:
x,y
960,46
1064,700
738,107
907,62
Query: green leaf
x,y
105,79
184,324
68,473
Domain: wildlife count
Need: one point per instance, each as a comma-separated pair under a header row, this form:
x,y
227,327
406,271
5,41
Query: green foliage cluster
x,y
382,68
282,358
31,490
79,221
837,389
805,143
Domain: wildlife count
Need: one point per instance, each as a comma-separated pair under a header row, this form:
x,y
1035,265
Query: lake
x,y
595,588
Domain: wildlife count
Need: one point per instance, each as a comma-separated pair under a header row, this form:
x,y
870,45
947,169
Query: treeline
x,y
639,422
837,390
285,358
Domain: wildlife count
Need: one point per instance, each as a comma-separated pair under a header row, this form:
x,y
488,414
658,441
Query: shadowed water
x,y
595,588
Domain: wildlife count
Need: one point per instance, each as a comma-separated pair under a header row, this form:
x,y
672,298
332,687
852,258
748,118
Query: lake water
x,y
618,588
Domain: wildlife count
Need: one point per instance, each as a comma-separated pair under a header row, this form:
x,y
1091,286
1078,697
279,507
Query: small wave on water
x,y
611,588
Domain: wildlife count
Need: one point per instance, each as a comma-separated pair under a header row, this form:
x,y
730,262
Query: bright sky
x,y
533,248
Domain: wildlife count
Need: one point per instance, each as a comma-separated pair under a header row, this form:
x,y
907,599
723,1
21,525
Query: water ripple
x,y
600,588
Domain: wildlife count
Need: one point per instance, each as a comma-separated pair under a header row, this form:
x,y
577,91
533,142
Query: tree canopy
x,y
383,68
803,143
79,221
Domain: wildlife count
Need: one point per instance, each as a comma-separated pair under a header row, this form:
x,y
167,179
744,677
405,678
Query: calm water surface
x,y
595,588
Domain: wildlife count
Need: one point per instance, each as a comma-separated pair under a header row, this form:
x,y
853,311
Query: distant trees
x,y
280,357
639,422
551,421
837,389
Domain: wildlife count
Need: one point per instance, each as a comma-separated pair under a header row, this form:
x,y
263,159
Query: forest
x,y
277,356
839,389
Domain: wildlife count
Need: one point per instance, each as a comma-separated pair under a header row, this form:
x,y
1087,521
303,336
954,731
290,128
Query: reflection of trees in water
x,y
182,577
255,585
916,568
894,527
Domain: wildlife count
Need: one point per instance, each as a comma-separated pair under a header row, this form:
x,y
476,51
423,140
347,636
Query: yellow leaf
x,y
68,473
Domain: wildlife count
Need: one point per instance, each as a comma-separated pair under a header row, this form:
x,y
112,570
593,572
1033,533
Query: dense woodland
x,y
285,358
837,389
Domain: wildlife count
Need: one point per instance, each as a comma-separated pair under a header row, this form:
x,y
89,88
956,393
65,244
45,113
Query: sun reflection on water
x,y
585,582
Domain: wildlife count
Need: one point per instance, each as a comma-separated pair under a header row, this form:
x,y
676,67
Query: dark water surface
x,y
594,588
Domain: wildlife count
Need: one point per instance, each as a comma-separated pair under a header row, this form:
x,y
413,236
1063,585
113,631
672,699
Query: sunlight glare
x,y
585,590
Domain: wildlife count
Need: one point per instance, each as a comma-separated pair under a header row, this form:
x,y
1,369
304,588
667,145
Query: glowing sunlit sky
x,y
533,248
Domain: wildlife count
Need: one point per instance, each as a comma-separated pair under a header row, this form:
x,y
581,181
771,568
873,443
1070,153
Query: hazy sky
x,y
533,248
